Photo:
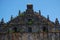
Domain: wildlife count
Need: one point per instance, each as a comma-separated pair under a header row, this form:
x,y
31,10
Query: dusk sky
x,y
47,7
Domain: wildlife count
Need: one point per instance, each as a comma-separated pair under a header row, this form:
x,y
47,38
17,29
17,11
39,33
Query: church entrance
x,y
29,29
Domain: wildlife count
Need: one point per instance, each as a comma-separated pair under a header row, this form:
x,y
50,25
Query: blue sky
x,y
47,7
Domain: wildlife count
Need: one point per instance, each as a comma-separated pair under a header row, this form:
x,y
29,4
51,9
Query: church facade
x,y
30,25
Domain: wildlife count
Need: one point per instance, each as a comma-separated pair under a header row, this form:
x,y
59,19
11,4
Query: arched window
x,y
30,22
45,29
29,19
29,29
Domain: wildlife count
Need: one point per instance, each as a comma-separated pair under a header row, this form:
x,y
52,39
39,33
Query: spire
x,y
19,12
11,17
48,17
2,20
39,12
56,21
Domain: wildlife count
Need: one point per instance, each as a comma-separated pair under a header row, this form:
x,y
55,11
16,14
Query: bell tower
x,y
29,9
29,6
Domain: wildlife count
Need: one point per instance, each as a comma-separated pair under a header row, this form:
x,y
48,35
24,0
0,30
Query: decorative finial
x,y
56,21
47,17
39,12
2,20
11,17
19,12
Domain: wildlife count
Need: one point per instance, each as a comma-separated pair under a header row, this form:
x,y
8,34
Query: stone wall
x,y
30,36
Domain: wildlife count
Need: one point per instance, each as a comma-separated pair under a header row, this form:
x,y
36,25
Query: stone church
x,y
29,25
